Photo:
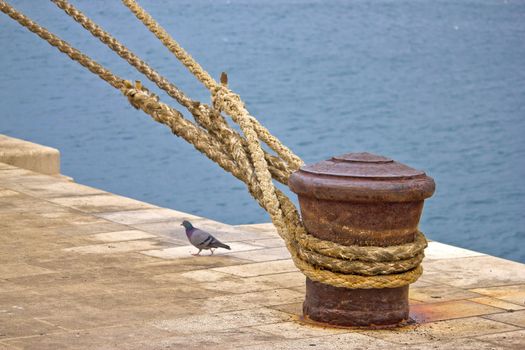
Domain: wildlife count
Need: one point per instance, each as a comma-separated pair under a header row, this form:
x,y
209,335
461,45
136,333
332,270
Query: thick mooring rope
x,y
242,156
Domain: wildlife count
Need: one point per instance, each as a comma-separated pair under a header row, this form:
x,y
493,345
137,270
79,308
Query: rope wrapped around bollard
x,y
242,155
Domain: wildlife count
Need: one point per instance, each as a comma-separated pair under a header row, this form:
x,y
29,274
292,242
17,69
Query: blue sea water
x,y
438,85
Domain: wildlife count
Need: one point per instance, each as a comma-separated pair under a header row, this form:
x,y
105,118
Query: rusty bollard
x,y
366,200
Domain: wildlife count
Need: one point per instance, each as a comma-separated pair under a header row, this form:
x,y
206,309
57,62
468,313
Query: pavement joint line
x,y
49,200
76,330
291,339
255,307
495,286
495,333
50,324
486,296
491,287
33,336
65,330
500,321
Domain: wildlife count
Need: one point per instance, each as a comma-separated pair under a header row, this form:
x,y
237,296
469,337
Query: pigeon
x,y
202,239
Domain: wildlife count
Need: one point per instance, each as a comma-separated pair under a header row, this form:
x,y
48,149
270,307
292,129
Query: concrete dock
x,y
81,268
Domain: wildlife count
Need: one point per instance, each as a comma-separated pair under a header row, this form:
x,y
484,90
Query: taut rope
x,y
241,155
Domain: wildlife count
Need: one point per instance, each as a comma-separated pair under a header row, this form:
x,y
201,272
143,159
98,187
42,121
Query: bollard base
x,y
355,307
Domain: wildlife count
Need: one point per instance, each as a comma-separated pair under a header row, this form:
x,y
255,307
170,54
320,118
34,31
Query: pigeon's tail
x,y
225,246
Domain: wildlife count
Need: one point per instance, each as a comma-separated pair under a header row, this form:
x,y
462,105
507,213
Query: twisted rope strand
x,y
125,53
294,162
62,45
172,45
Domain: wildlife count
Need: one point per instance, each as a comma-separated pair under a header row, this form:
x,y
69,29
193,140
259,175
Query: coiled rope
x,y
241,155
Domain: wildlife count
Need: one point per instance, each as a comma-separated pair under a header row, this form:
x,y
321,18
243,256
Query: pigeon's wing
x,y
215,243
201,239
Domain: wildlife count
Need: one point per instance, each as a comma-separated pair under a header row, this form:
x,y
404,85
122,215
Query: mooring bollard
x,y
360,199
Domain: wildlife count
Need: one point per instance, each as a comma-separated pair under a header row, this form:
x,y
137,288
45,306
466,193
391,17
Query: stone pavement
x,y
81,268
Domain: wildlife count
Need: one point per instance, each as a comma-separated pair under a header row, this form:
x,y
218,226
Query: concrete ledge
x,y
30,156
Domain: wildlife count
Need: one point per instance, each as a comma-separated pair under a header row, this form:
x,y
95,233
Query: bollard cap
x,y
361,177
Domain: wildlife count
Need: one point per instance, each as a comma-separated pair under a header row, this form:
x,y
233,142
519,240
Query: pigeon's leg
x,y
212,250
198,253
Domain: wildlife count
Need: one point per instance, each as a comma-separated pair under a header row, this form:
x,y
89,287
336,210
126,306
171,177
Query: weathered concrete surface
x,y
85,269
28,155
